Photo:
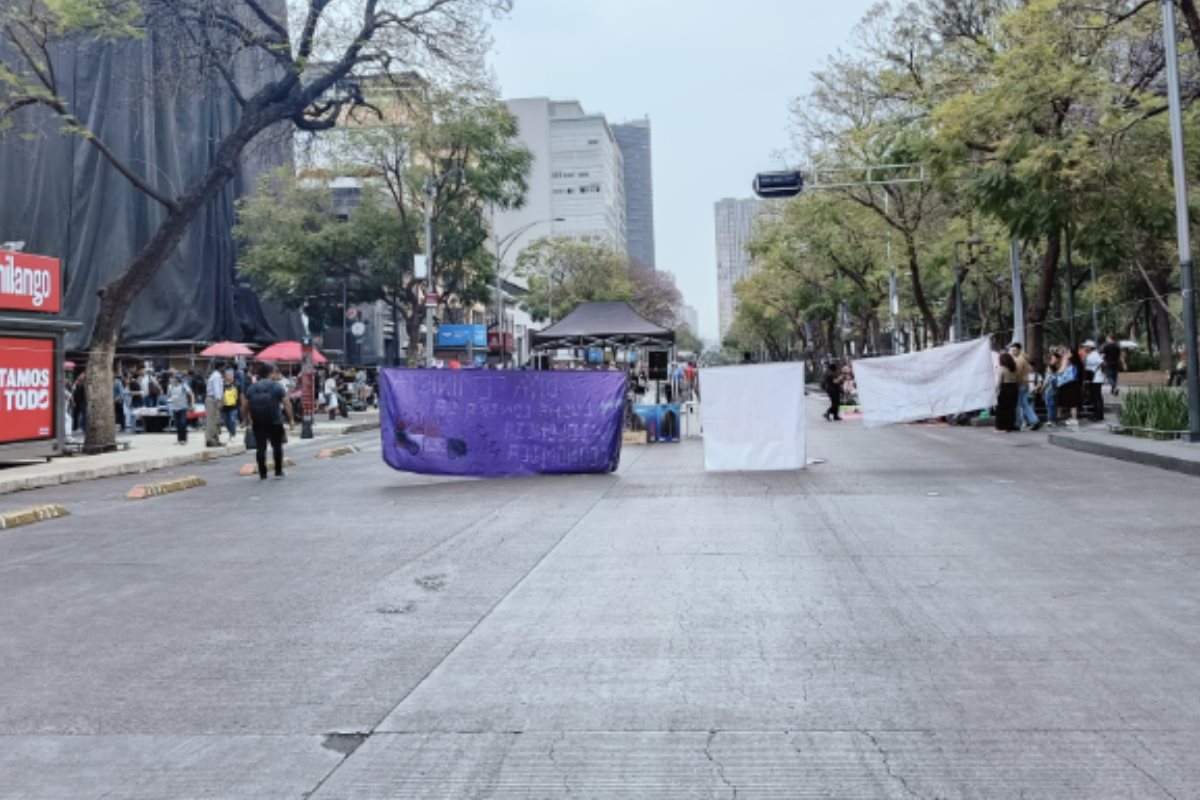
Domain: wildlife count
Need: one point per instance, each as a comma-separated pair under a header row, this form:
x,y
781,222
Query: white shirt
x,y
216,385
1095,362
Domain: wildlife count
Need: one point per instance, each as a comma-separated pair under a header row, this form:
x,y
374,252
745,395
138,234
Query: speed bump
x,y
333,452
27,516
252,469
148,490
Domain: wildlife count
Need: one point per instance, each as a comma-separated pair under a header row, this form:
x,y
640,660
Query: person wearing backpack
x,y
265,403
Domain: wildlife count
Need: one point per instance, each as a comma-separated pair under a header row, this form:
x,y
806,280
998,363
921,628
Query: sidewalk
x,y
1175,456
151,451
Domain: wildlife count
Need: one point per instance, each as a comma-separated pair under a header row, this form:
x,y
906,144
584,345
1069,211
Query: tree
x,y
315,55
564,272
467,141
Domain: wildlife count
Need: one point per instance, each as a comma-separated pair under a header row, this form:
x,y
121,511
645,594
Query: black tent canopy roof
x,y
603,324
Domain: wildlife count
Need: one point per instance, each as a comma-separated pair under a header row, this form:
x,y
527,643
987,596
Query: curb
x,y
333,452
113,470
1098,448
252,469
147,490
27,516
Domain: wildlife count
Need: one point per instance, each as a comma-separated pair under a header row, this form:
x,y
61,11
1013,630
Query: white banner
x,y
951,379
753,417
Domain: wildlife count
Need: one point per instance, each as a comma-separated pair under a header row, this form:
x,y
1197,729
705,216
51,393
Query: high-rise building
x,y
576,190
634,140
689,317
735,224
577,182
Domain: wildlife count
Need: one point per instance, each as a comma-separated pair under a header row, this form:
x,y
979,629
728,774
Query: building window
x,y
593,141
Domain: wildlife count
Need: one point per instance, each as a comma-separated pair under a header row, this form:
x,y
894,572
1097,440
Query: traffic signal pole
x,y
1182,229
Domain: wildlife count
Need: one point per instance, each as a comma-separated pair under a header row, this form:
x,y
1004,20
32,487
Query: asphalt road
x,y
931,612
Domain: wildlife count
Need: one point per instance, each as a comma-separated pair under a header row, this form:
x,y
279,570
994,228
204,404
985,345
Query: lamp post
x,y
1183,232
970,241
503,245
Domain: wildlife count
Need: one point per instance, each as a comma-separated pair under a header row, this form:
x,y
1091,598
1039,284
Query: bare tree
x,y
319,49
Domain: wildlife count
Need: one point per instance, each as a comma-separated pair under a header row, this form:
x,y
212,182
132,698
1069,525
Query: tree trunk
x,y
914,271
115,299
1036,313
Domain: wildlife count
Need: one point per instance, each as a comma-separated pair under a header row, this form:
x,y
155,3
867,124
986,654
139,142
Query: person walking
x,y
1006,401
231,400
1093,377
213,390
1025,411
264,403
832,384
1114,363
179,402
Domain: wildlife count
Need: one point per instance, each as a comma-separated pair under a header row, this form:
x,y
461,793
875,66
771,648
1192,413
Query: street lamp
x,y
503,245
970,241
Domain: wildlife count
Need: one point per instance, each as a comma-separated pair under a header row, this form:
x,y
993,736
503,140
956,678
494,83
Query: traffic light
x,y
773,185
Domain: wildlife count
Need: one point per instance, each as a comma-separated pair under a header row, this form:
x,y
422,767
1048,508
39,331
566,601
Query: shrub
x,y
1159,408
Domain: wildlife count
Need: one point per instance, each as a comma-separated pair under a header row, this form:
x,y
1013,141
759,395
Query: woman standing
x,y
1050,388
832,384
1006,403
1070,387
179,402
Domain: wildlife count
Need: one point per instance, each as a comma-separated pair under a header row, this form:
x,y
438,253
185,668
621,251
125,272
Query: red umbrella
x,y
226,350
288,351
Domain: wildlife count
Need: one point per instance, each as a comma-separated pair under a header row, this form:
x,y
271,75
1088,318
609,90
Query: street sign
x,y
773,185
358,329
431,299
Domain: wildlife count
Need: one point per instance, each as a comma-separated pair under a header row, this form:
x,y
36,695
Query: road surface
x,y
931,612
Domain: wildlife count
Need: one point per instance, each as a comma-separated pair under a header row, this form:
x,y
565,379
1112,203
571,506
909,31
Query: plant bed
x,y
1156,413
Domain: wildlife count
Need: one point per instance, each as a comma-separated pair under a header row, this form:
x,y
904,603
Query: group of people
x,y
1072,380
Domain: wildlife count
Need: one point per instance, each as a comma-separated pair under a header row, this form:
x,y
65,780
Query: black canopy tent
x,y
603,324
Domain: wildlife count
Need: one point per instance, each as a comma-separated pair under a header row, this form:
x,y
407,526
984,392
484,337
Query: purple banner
x,y
490,423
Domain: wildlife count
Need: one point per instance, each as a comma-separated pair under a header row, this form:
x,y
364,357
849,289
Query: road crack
x,y
887,765
719,766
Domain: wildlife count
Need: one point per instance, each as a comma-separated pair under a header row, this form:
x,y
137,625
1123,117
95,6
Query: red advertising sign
x,y
27,396
30,283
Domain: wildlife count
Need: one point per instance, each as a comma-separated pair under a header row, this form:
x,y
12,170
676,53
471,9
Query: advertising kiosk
x,y
32,395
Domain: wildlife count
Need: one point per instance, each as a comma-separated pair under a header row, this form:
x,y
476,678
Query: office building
x,y
734,226
634,140
576,190
689,317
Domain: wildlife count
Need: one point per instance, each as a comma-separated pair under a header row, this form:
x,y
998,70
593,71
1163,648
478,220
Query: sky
x,y
715,77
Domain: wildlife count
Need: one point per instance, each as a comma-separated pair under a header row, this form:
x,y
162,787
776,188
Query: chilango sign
x,y
30,283
27,389
491,423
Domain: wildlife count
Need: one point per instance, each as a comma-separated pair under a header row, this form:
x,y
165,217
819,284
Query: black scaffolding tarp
x,y
63,199
603,324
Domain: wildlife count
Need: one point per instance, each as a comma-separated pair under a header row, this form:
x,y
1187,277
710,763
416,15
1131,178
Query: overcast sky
x,y
714,76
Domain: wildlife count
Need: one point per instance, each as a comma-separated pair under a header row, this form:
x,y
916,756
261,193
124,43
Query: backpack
x,y
262,402
230,396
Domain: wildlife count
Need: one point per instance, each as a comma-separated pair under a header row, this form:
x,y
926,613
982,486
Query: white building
x,y
576,188
688,316
734,224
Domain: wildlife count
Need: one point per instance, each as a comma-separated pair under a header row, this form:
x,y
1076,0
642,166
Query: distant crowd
x,y
189,397
1072,381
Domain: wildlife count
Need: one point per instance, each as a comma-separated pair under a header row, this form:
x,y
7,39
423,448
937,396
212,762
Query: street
x,y
930,612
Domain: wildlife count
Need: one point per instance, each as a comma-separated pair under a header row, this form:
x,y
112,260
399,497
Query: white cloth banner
x,y
951,379
753,417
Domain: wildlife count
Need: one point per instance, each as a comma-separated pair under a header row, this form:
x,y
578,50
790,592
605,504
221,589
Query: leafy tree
x,y
564,272
346,40
465,143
